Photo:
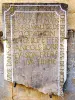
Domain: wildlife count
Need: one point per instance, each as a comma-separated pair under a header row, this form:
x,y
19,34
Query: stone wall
x,y
71,25
70,84
1,61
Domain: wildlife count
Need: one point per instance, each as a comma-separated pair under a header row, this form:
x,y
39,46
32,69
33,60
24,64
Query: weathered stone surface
x,y
71,23
35,46
70,84
20,92
6,91
71,8
1,69
35,62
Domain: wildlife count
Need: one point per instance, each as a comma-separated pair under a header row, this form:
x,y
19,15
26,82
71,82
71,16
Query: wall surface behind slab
x,y
71,25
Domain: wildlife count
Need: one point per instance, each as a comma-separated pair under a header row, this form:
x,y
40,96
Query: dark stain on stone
x,y
43,68
14,84
50,95
1,47
37,85
41,34
64,6
1,33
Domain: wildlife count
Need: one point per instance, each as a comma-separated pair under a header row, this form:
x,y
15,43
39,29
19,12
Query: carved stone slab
x,y
35,49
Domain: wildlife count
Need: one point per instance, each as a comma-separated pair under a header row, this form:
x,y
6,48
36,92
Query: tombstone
x,y
36,45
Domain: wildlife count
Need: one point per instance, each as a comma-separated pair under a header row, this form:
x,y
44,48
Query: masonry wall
x,y
70,84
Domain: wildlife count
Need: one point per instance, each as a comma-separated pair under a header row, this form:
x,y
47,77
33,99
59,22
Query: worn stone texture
x,y
71,24
20,92
1,69
37,46
30,67
6,91
1,61
71,8
70,84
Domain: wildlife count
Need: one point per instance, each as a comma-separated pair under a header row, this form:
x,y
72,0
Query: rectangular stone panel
x,y
35,47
